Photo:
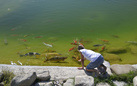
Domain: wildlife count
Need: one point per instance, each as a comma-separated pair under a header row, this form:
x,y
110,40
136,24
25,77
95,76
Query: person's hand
x,y
79,60
80,68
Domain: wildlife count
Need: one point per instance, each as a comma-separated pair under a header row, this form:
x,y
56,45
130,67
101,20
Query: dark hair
x,y
80,47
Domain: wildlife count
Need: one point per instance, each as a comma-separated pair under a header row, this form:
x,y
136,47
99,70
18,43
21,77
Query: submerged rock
x,y
133,49
111,57
116,50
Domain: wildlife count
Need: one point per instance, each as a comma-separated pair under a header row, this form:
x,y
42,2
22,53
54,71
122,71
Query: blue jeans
x,y
96,63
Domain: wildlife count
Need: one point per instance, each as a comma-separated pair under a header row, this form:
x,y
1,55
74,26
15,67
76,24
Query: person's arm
x,y
82,61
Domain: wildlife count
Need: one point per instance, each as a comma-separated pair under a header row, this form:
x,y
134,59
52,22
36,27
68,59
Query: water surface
x,y
59,22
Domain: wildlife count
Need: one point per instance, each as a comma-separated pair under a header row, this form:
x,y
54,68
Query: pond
x,y
27,25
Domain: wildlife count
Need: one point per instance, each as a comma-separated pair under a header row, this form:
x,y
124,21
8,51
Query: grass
x,y
128,78
7,77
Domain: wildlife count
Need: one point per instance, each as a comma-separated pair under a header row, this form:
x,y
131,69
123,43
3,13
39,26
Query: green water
x,y
59,22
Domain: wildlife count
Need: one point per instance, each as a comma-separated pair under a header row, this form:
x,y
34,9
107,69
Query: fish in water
x,y
97,45
51,54
19,62
5,41
38,36
74,44
12,63
104,40
56,58
49,45
26,35
132,42
72,48
24,40
30,54
103,48
115,36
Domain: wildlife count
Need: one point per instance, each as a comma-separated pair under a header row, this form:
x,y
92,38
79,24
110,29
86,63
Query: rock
x,y
119,83
57,83
61,80
111,57
135,81
102,84
43,75
107,64
49,84
55,71
1,84
116,50
24,79
135,66
133,49
84,81
44,84
69,82
122,69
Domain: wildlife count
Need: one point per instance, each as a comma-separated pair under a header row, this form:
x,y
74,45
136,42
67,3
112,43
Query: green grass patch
x,y
128,78
7,77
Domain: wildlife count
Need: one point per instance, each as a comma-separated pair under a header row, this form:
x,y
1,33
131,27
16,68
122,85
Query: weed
x,y
7,77
128,78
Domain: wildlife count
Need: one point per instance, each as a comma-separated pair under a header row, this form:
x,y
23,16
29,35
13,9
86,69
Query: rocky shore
x,y
63,76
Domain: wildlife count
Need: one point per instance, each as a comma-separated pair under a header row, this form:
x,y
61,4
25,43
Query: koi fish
x,y
75,41
51,54
81,44
132,42
30,54
49,45
115,36
72,48
38,36
19,62
12,63
26,35
104,40
74,44
103,47
51,51
5,41
76,57
24,40
56,58
97,45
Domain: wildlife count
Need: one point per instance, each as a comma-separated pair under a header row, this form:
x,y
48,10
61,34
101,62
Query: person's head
x,y
80,47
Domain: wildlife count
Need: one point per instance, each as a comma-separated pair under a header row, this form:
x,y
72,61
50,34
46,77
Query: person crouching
x,y
96,60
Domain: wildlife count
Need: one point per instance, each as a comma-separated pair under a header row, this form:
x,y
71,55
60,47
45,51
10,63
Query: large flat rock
x,y
55,71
